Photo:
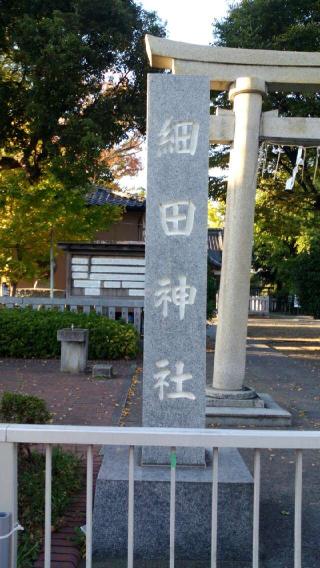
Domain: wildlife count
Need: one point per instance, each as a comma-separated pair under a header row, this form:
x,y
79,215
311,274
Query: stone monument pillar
x,y
176,259
174,370
230,353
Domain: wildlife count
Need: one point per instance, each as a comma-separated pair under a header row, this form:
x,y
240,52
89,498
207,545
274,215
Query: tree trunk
x,y
13,288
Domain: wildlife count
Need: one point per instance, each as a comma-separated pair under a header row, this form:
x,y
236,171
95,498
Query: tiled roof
x,y
105,247
103,196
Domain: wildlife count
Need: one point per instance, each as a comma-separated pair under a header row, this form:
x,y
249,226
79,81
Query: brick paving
x,y
64,551
283,359
284,362
72,399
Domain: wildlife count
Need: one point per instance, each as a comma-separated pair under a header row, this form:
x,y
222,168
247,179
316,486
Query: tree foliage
x,y
72,108
34,215
285,225
72,83
307,278
285,222
216,212
124,159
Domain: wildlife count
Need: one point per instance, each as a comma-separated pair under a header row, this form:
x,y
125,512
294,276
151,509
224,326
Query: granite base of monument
x,y
193,509
271,415
244,398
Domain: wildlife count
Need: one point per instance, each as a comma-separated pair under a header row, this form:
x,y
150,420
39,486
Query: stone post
x,y
230,353
74,349
176,259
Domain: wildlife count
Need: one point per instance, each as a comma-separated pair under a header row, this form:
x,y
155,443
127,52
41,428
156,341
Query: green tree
x,y
72,107
34,215
72,83
212,288
285,222
307,278
216,212
285,225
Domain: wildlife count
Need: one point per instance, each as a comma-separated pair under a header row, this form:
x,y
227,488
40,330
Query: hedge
x,y
28,333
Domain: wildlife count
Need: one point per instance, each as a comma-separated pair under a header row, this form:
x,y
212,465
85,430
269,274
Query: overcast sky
x,y
187,20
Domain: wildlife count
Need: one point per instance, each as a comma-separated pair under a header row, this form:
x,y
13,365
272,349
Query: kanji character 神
x,y
181,295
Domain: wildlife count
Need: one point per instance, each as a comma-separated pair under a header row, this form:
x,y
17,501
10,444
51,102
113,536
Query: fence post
x,y
8,490
112,313
268,305
137,319
124,314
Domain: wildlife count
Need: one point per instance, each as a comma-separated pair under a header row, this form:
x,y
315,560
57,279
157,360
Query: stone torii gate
x,y
248,75
175,296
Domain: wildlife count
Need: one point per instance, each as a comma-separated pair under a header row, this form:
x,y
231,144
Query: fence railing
x,y
12,435
259,305
129,310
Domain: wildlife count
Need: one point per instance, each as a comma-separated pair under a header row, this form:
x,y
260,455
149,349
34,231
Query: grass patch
x,y
67,480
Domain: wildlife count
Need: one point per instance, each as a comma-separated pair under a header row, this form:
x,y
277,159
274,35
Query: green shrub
x,y
67,476
67,479
31,333
23,409
212,288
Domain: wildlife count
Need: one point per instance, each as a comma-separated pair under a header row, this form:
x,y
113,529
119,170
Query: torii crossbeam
x,y
247,75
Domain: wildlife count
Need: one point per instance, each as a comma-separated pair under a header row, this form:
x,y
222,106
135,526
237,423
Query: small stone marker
x,y
74,349
102,371
176,259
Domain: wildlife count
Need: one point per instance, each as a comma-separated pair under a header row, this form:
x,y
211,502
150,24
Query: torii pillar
x,y
230,354
247,75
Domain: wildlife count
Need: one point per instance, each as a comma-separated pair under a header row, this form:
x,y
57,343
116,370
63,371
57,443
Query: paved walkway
x,y
295,384
72,399
283,360
292,376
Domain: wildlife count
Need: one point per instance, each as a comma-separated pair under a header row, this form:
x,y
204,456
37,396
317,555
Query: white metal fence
x,y
129,310
259,305
12,435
